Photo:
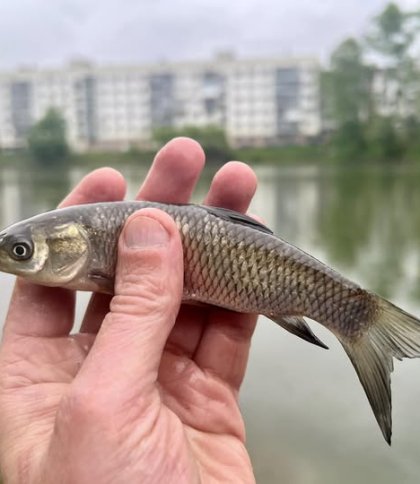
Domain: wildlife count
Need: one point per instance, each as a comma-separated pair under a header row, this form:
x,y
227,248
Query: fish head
x,y
47,252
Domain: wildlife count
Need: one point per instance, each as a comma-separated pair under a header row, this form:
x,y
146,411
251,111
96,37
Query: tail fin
x,y
395,333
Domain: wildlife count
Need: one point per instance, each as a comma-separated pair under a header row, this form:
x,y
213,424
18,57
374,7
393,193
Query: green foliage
x,y
367,122
348,143
412,131
385,143
101,158
411,139
347,86
212,139
349,83
47,139
393,33
283,154
391,38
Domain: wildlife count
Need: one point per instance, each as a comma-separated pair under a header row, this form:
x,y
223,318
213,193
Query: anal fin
x,y
298,326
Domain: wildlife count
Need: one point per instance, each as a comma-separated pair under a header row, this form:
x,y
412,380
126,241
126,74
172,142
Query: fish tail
x,y
393,334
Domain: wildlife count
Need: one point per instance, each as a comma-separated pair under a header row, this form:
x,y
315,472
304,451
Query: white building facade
x,y
257,102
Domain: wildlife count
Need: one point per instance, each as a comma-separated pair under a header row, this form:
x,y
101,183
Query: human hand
x,y
135,396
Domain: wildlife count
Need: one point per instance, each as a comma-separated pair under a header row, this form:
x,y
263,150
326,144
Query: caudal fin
x,y
395,333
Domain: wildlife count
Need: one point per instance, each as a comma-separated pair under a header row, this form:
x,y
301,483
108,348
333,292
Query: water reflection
x,y
308,421
362,222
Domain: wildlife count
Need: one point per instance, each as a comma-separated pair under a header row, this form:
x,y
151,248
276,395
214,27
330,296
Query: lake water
x,y
308,420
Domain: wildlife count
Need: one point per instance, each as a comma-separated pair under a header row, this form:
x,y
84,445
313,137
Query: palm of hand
x,y
199,410
190,416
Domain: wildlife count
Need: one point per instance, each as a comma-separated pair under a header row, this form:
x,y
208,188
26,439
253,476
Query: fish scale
x,y
231,261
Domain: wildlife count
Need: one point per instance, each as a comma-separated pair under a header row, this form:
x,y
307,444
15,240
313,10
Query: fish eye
x,y
21,251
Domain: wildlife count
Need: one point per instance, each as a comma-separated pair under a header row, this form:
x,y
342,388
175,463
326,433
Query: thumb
x,y
148,291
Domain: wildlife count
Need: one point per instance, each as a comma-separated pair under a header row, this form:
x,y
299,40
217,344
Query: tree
x,y
47,139
393,33
391,39
384,140
349,141
350,83
368,104
347,86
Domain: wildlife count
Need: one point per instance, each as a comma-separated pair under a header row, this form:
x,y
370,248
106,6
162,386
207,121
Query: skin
x,y
148,390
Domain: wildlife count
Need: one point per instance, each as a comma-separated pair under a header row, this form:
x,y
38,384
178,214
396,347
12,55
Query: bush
x,y
47,139
348,142
385,143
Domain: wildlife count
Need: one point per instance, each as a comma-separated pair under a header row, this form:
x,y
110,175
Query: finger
x,y
174,172
148,291
42,311
101,185
171,179
95,313
188,329
224,345
107,189
232,187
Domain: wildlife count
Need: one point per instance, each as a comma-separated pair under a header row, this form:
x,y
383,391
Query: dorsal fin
x,y
238,218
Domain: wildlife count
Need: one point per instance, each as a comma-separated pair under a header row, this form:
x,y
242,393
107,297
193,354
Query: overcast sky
x,y
46,32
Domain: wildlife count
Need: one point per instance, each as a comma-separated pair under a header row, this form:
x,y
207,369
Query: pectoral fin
x,y
104,282
297,326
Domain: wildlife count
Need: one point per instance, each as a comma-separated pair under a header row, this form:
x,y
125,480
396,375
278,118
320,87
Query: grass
x,y
283,154
290,154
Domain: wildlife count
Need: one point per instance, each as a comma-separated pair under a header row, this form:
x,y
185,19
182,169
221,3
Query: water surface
x,y
308,420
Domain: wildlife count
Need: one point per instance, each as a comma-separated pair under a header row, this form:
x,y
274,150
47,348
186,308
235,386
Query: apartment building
x,y
257,102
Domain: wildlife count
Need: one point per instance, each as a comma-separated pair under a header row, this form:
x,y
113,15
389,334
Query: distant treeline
x,y
370,107
371,92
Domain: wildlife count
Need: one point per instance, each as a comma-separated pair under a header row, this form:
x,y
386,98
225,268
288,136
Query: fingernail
x,y
144,232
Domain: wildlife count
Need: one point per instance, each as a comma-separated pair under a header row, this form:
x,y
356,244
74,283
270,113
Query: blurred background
x,y
321,98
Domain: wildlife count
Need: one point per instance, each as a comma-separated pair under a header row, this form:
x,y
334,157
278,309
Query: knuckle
x,y
151,295
150,284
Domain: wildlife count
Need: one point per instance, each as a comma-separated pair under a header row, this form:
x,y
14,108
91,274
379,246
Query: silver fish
x,y
231,261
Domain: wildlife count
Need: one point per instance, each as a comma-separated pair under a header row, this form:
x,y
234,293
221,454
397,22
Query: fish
x,y
231,261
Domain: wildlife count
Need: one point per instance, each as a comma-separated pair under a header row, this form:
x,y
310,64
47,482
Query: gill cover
x,y
67,249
